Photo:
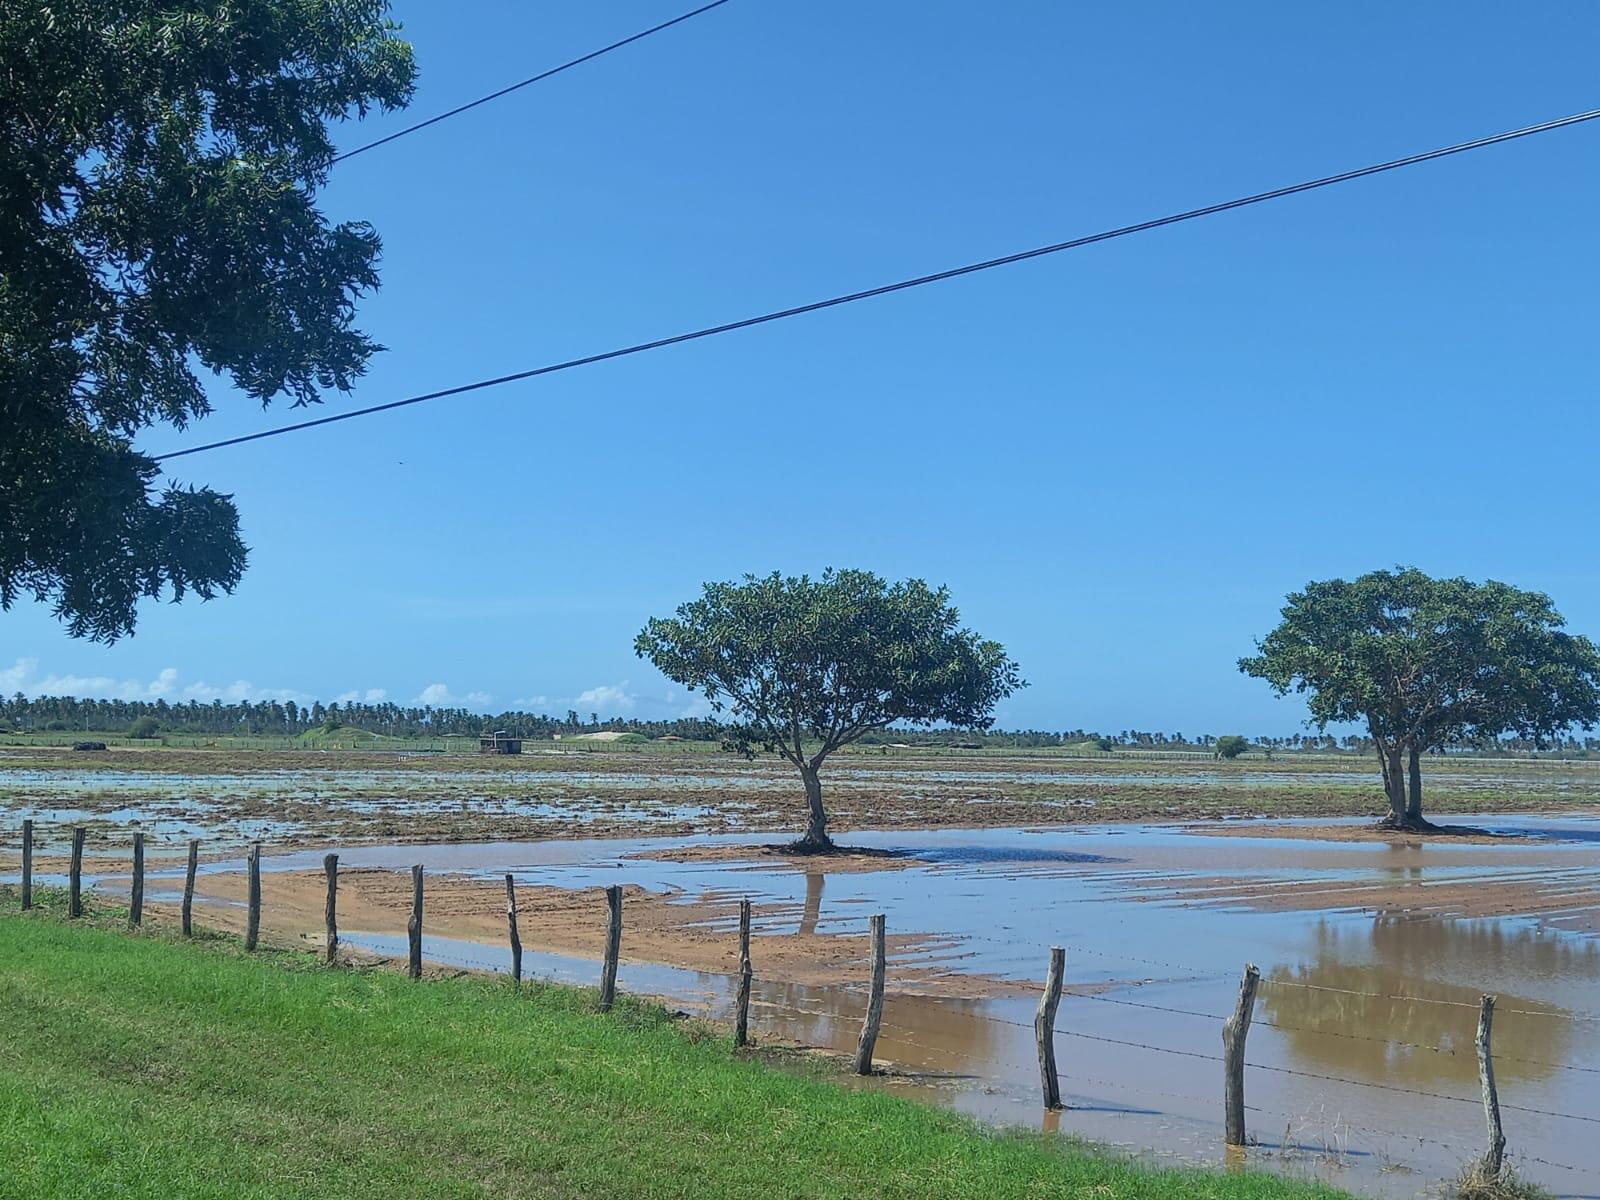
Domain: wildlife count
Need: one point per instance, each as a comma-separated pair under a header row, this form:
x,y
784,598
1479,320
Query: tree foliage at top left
x,y
159,168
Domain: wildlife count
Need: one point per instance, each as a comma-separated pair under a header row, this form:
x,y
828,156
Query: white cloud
x,y
440,696
24,677
531,702
698,706
686,705
610,698
370,696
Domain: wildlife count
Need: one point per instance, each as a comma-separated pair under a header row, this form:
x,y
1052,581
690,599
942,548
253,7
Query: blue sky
x,y
1119,459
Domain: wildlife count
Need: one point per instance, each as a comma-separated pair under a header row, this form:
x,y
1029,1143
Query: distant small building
x,y
499,742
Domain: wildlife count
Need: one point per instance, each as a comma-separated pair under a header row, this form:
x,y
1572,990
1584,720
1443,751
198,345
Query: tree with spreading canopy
x,y
159,168
1230,746
1428,663
806,666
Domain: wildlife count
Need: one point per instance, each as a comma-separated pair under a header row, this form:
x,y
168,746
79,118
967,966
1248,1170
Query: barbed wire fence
x,y
1045,1030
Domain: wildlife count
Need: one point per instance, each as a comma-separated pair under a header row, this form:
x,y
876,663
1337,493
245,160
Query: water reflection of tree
x,y
812,909
1399,956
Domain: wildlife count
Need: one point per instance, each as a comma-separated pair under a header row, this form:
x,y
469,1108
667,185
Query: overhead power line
x,y
902,285
532,79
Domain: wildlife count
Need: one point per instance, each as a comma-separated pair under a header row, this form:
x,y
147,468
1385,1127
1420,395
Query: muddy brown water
x,y
1373,957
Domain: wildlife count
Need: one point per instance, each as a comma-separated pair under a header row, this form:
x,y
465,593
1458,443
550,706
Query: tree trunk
x,y
1394,783
816,837
1414,800
1402,763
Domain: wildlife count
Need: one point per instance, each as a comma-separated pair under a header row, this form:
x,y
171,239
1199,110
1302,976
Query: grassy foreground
x,y
134,1065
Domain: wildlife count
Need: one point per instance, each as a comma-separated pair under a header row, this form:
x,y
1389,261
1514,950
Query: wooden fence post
x,y
608,973
1494,1158
741,1021
1044,1028
252,927
414,925
75,875
136,895
27,865
330,910
874,1018
188,887
511,925
1234,1031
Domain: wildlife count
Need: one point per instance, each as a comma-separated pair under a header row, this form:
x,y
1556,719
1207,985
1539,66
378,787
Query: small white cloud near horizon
x,y
23,676
439,695
690,708
616,697
356,695
527,702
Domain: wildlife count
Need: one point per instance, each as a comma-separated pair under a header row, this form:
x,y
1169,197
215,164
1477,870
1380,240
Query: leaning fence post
x,y
252,927
511,924
1044,1028
188,887
1234,1031
136,894
608,973
330,910
741,1020
75,874
27,865
414,925
1494,1159
874,1018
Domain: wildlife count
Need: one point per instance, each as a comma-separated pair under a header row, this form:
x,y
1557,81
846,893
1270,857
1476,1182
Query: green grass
x,y
345,737
134,1065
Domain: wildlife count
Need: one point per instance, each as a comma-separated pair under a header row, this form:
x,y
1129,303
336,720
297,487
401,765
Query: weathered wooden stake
x,y
874,1018
511,925
188,887
27,865
1234,1031
414,925
136,895
330,910
1494,1159
608,973
741,1020
252,925
1044,1028
75,875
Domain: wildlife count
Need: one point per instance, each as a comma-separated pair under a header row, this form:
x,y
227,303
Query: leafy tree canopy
x,y
159,163
809,665
1231,745
1426,663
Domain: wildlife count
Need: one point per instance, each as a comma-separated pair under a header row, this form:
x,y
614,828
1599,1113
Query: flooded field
x,y
306,797
1373,954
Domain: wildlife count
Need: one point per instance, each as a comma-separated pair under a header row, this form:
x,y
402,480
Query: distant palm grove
x,y
272,718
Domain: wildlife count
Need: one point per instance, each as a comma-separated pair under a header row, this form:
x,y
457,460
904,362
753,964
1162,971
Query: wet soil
x,y
308,797
1373,947
667,927
1371,832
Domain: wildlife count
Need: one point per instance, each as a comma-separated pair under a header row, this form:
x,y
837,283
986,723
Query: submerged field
x,y
306,796
139,1067
1373,951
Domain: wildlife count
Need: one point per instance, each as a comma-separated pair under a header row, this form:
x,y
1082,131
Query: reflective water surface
x,y
1362,1062
1362,1067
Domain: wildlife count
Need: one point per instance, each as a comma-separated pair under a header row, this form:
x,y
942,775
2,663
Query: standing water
x,y
1361,1070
